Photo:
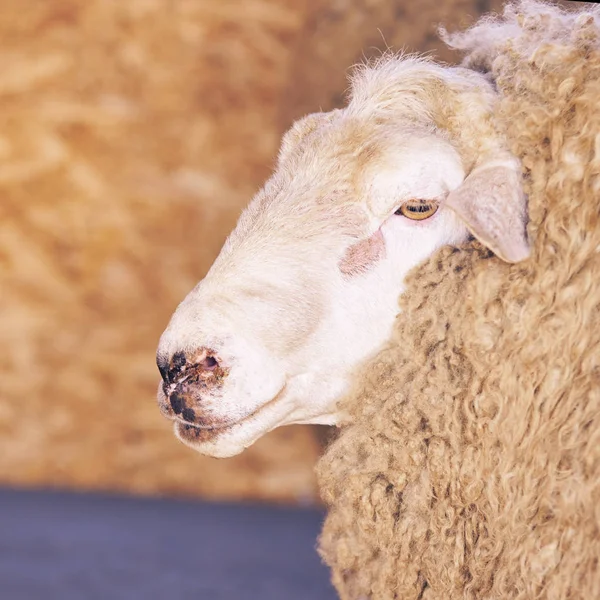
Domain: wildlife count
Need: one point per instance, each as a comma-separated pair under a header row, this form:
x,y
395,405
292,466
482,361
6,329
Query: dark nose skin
x,y
186,377
179,407
176,366
172,370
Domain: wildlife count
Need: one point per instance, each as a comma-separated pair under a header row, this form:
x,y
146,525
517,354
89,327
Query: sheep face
x,y
306,287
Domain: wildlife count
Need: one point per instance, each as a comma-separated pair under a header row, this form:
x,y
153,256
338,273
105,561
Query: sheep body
x,y
471,468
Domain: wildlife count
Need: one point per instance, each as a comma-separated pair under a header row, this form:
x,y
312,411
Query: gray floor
x,y
64,546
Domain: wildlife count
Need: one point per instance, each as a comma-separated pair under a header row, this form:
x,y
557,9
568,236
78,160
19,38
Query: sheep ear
x,y
493,206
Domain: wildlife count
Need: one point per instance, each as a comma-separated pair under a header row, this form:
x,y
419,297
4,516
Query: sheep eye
x,y
418,210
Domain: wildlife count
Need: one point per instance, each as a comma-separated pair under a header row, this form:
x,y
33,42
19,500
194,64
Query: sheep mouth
x,y
195,433
187,432
187,421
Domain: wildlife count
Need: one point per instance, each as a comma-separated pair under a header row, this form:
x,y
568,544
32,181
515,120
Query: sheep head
x,y
306,287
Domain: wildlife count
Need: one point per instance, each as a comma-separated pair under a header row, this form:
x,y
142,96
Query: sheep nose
x,y
187,378
182,366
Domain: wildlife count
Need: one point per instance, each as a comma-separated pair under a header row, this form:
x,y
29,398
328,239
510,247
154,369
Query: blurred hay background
x,y
131,134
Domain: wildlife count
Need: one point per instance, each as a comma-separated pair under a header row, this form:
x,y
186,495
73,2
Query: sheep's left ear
x,y
491,203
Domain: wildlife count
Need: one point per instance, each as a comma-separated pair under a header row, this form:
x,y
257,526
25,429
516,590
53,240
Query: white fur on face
x,y
288,325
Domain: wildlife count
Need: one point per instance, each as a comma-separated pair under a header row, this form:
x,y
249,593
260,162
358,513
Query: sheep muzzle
x,y
186,379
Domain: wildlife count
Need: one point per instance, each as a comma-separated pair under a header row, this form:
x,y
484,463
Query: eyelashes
x,y
418,210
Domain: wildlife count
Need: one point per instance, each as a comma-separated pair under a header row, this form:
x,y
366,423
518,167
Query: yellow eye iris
x,y
418,210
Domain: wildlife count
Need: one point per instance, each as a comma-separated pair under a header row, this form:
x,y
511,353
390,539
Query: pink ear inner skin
x,y
363,255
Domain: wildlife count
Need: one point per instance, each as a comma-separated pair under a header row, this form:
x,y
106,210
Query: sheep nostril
x,y
163,367
210,363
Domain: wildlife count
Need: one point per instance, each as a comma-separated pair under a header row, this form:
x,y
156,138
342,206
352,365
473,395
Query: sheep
x,y
470,464
306,287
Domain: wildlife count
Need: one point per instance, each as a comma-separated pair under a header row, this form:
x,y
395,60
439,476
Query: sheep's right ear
x,y
493,206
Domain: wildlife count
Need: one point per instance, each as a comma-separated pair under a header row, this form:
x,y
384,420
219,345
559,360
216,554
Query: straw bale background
x,y
131,134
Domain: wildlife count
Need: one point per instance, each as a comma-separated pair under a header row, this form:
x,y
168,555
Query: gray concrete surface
x,y
67,546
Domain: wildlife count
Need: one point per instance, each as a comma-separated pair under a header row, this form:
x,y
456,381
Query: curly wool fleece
x,y
472,467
